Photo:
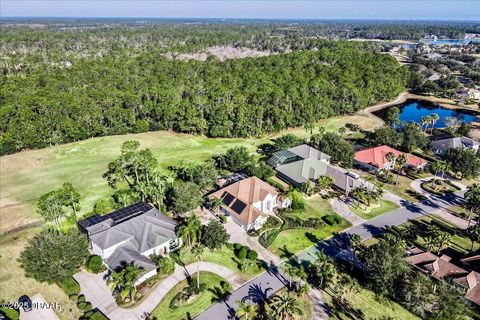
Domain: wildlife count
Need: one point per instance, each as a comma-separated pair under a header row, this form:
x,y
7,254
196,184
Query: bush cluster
x,y
331,220
187,293
242,252
95,264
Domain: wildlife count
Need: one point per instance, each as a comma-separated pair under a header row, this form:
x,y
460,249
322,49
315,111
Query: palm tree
x,y
443,240
285,307
346,286
290,270
116,280
244,310
401,161
355,243
197,252
437,166
324,269
424,121
472,200
215,203
434,118
473,233
390,156
191,230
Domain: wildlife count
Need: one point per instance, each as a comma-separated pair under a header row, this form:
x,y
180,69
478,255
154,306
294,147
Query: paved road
x,y
270,282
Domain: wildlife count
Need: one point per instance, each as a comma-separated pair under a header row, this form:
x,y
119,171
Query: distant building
x,y
130,235
433,76
376,158
441,146
249,202
469,94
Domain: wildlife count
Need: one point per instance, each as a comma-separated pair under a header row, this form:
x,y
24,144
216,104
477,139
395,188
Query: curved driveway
x,y
95,289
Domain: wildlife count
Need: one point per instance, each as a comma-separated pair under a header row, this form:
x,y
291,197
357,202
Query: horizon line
x,y
239,18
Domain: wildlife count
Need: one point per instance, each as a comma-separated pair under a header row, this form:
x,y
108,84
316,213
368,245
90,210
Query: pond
x,y
414,110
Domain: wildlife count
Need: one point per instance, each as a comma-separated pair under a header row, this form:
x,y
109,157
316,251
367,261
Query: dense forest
x,y
117,94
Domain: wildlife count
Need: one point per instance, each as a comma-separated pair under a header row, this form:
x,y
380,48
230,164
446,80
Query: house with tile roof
x,y
130,236
373,159
441,268
249,202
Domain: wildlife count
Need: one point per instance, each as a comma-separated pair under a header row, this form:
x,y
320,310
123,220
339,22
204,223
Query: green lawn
x,y
224,257
368,306
375,209
458,242
439,188
28,175
199,304
295,240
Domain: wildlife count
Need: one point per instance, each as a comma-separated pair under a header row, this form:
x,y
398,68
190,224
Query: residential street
x,y
269,282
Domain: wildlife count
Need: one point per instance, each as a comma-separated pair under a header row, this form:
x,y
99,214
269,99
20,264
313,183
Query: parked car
x,y
25,302
353,175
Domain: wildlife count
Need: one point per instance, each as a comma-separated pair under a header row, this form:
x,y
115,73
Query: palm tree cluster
x,y
190,230
428,120
366,195
437,238
122,282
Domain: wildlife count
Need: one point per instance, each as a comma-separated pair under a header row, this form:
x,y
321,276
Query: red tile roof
x,y
377,157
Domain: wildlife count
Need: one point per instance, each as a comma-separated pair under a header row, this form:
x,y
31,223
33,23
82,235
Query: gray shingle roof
x,y
449,143
306,152
142,232
126,255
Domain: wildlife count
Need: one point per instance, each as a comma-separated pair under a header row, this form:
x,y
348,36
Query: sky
x,y
268,9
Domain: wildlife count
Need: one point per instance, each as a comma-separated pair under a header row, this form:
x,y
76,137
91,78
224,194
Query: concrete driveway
x,y
237,234
40,310
95,289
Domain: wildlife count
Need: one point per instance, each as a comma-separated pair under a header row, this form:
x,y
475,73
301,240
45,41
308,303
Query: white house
x,y
130,235
250,201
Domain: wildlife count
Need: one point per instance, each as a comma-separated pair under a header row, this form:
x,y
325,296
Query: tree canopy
x,y
52,256
118,94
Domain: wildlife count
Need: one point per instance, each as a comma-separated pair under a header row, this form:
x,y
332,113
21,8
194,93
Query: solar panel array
x,y
117,216
238,206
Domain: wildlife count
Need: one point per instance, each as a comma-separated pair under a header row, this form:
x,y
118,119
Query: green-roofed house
x,y
301,171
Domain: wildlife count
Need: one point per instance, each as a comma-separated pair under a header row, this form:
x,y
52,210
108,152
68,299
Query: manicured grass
x,y
224,257
13,281
295,240
439,188
375,209
28,175
199,304
335,123
461,212
458,242
365,302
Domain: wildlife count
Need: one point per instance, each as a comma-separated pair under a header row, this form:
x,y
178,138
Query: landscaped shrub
x,y
10,313
241,253
298,203
252,255
186,294
70,286
293,222
81,298
229,245
222,218
237,246
97,315
95,264
104,206
82,305
165,265
331,220
267,238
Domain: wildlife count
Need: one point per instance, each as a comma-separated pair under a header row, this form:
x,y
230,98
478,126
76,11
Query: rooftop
x,y
377,157
238,197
